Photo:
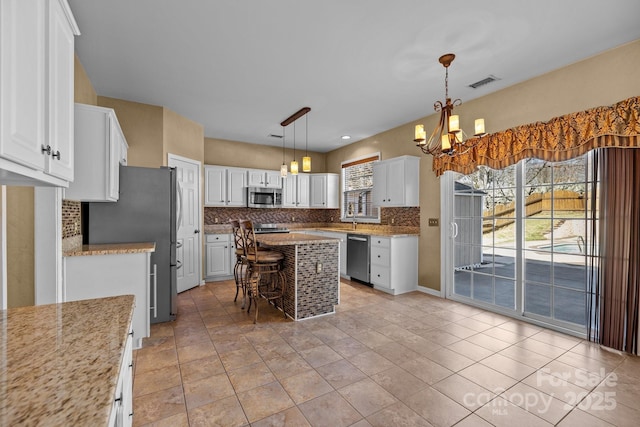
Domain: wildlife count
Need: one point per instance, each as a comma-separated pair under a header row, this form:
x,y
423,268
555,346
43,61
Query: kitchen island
x,y
311,267
62,363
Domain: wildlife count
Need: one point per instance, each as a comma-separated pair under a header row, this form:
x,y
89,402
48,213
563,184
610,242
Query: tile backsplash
x,y
71,219
402,217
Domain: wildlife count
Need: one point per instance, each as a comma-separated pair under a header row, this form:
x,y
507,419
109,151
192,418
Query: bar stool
x,y
240,258
264,276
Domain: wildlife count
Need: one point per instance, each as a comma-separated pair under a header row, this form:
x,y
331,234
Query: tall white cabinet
x,y
36,83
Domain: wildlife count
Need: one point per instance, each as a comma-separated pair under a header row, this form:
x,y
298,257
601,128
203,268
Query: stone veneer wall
x,y
401,217
317,293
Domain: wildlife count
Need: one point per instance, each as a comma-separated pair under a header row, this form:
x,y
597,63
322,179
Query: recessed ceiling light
x,y
346,137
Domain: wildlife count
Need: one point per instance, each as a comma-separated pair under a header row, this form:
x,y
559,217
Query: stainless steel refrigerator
x,y
146,211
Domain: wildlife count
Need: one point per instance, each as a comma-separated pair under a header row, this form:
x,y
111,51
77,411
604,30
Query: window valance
x,y
560,138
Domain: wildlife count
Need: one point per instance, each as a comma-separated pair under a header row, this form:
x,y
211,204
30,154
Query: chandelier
x,y
447,135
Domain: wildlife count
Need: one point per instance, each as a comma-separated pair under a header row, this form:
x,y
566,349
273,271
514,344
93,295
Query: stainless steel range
x,y
269,228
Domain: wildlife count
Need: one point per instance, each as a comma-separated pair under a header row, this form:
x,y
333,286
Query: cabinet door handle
x,y
46,149
56,154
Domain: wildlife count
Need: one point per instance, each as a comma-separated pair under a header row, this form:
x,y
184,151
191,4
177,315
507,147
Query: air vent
x,y
484,81
275,136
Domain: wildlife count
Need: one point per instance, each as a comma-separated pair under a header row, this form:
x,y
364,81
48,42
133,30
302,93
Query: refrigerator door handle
x,y
179,188
155,290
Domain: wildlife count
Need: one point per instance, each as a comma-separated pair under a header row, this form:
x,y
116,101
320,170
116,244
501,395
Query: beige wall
x,y
83,91
601,80
182,137
20,249
256,156
142,125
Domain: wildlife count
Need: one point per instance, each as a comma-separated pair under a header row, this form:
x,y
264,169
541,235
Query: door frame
x,y
170,158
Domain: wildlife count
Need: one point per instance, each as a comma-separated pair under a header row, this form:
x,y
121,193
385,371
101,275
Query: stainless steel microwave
x,y
260,197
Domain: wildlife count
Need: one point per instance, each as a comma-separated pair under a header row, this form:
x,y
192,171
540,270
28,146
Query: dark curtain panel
x,y
620,248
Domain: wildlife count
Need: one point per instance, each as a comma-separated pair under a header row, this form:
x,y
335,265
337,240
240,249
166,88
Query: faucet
x,y
355,223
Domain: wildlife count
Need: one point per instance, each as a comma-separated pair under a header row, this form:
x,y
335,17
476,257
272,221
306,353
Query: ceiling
x,y
240,67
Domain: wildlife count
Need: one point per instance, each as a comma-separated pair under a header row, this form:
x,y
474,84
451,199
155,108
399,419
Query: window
x,y
357,186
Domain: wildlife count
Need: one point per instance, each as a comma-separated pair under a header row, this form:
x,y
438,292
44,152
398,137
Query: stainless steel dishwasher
x,y
358,250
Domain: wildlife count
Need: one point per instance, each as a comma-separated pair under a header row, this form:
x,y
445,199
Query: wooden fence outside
x,y
503,215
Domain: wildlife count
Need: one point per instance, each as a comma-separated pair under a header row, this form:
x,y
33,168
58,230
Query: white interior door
x,y
188,233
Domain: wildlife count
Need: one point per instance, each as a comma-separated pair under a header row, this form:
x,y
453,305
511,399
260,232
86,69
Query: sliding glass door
x,y
519,242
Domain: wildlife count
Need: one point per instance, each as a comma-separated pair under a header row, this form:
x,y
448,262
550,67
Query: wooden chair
x,y
264,276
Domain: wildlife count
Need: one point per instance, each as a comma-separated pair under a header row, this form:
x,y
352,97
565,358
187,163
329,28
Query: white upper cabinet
x,y
324,190
225,186
263,178
36,92
396,182
295,191
273,179
99,142
61,112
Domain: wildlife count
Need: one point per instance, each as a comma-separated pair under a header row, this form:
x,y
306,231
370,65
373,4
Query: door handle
x,y
196,231
179,219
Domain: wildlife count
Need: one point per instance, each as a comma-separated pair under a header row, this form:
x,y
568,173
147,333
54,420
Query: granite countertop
x,y
285,239
383,232
112,249
62,361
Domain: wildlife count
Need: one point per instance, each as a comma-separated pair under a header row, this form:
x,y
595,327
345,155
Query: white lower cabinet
x,y
220,257
97,276
394,264
122,408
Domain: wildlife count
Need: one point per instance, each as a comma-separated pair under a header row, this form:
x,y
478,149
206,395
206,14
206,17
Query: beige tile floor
x,y
408,360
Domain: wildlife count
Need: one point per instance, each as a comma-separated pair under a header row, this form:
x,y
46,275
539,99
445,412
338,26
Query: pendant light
x,y
294,162
306,160
286,122
283,168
